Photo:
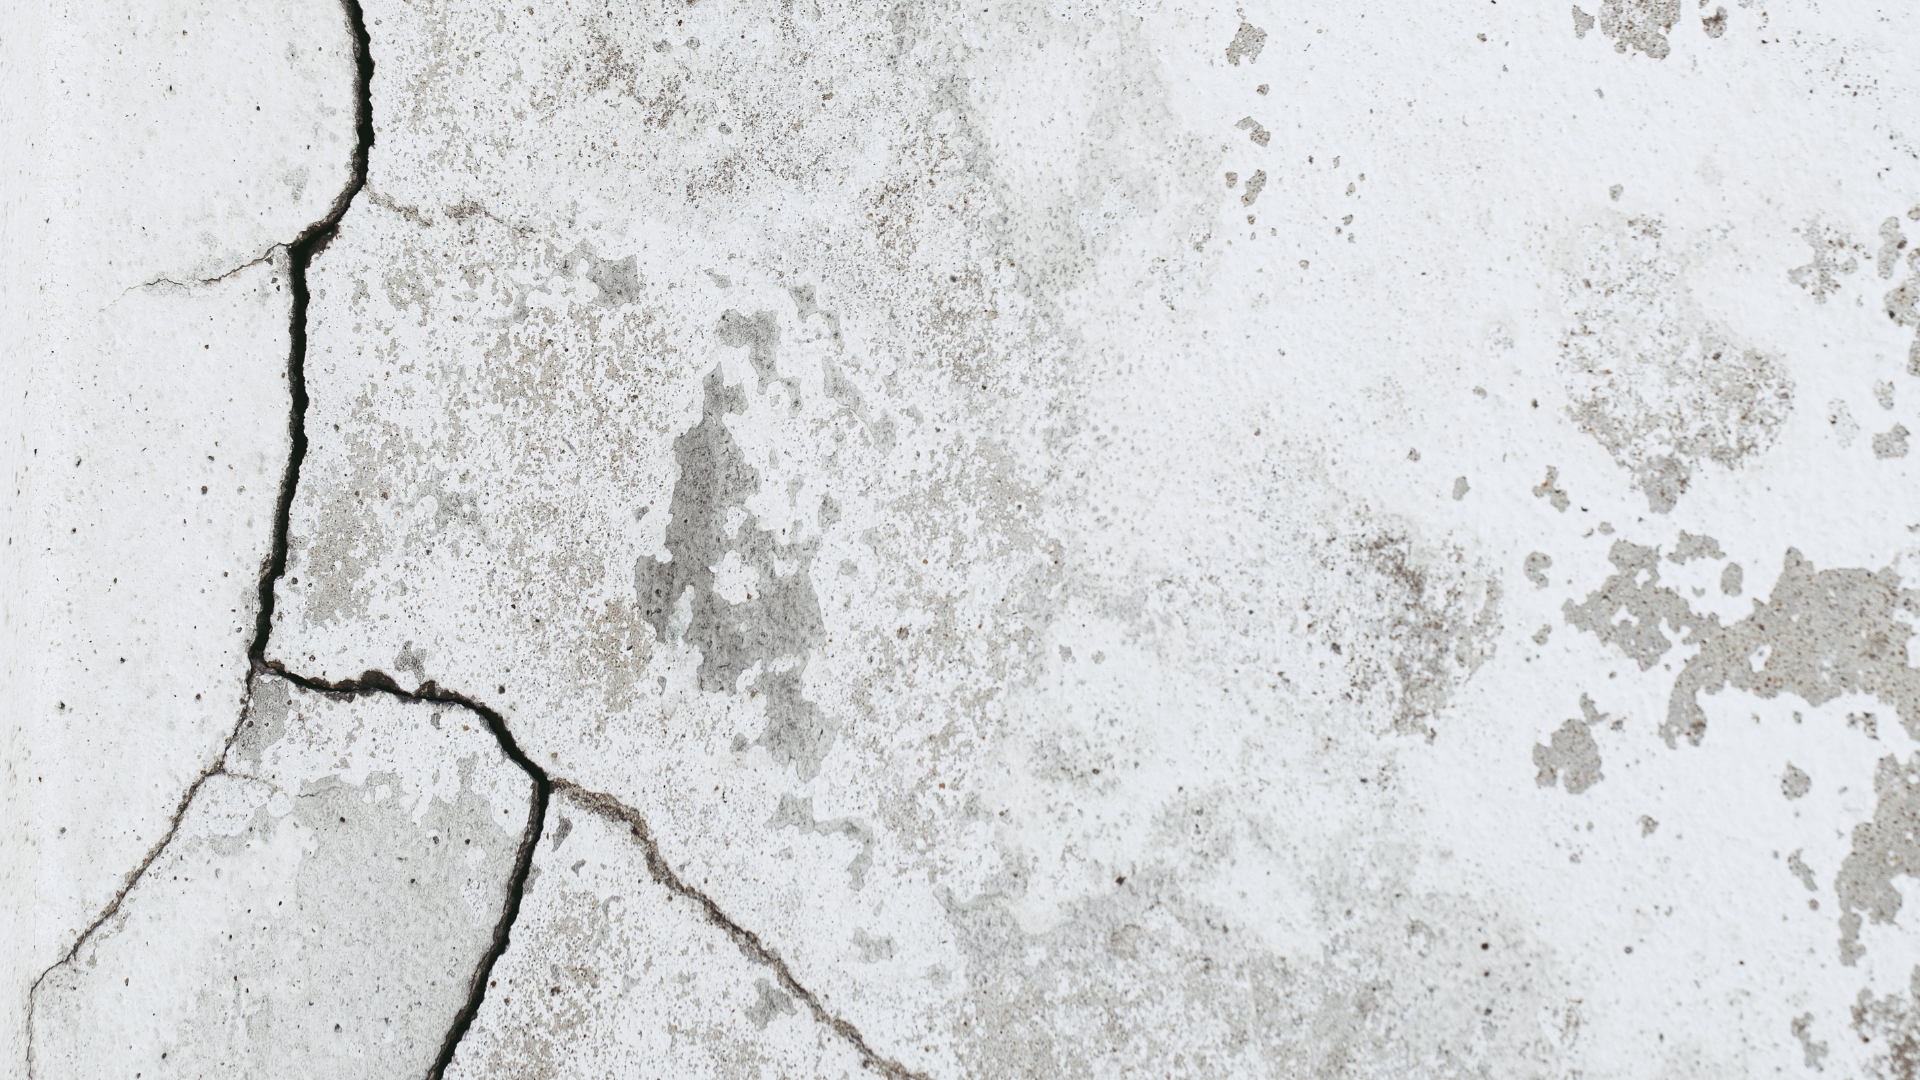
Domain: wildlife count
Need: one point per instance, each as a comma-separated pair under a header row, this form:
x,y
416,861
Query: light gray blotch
x,y
771,1001
1845,427
797,813
1635,589
266,721
1232,179
1460,488
1535,568
561,830
1582,22
1716,23
1903,307
1820,634
1892,242
1884,848
1647,825
872,950
1883,393
1731,579
759,334
617,279
1541,635
1802,871
1549,489
1615,191
1832,257
1259,135
1894,1023
1811,1052
1571,755
1247,43
1640,23
1255,184
410,660
1893,444
1690,546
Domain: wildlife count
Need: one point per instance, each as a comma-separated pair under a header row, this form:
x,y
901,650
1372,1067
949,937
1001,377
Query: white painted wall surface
x,y
1011,540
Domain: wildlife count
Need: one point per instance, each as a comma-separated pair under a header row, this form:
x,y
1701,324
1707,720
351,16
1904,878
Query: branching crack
x,y
301,252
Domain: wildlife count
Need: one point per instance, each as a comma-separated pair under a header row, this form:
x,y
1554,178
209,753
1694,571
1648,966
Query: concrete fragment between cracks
x,y
300,253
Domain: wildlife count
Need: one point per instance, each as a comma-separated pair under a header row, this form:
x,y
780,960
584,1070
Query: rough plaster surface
x,y
1014,540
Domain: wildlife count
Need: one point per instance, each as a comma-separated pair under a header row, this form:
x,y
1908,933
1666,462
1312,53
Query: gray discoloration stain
x,y
771,1002
1892,444
1664,390
1732,579
1647,825
1801,870
1260,136
770,632
1834,255
1840,419
1460,488
1820,635
1892,243
1536,568
797,813
1247,42
1890,1027
1902,304
1541,635
1255,185
617,279
1812,1053
1795,783
1571,755
1883,393
1689,547
1642,24
1549,489
1715,24
1883,849
1582,22
1634,590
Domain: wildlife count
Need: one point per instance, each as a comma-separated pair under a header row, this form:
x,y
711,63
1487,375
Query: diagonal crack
x,y
748,941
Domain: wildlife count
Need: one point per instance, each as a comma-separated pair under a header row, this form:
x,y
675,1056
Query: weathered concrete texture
x,y
321,910
610,973
1057,540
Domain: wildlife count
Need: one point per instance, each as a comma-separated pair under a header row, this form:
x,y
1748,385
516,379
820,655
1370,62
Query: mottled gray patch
x,y
1460,488
771,1001
561,830
771,632
1892,243
1549,489
1647,825
412,661
1811,1053
1571,754
1582,22
1716,23
1614,191
1795,783
797,813
1840,418
872,950
1643,24
841,390
759,334
1883,393
1536,568
617,279
1541,635
1893,444
1820,635
1903,307
1246,44
266,720
1890,1026
1255,185
1690,547
1259,135
1833,257
1661,389
1634,590
1799,868
1883,849
1732,578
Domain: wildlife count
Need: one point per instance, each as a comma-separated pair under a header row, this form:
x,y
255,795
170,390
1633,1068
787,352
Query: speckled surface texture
x,y
950,542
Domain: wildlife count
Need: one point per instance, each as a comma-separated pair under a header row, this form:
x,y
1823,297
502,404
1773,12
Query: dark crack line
x,y
375,682
748,941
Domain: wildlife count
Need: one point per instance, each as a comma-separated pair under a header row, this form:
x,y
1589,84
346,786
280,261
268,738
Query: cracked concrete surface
x,y
783,539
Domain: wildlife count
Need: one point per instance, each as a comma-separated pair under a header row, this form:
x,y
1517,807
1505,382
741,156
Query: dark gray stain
x,y
772,631
617,279
1716,23
1246,44
1884,848
1571,754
